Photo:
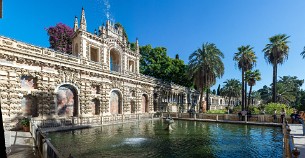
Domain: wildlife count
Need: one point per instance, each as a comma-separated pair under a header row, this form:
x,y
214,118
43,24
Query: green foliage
x,y
246,59
231,89
254,110
236,109
25,122
155,62
218,90
205,65
288,91
223,111
269,108
276,52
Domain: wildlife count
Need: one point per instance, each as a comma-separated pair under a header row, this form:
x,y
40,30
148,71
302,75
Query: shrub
x,y
223,111
269,108
25,122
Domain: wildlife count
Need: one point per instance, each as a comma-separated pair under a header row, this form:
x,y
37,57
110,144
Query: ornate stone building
x,y
100,78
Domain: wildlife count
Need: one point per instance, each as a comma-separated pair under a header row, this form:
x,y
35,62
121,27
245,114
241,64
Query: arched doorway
x,y
144,103
67,100
114,60
115,102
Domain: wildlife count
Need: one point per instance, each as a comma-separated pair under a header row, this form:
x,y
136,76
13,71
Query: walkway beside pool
x,y
298,138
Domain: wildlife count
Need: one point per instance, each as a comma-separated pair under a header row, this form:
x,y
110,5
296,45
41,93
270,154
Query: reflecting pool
x,y
187,139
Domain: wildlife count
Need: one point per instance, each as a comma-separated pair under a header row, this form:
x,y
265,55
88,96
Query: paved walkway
x,y
298,138
19,145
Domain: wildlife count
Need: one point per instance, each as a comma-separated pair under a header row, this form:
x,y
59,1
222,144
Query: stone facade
x,y
100,78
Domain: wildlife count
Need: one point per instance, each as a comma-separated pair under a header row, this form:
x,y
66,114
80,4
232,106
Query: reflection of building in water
x,y
100,78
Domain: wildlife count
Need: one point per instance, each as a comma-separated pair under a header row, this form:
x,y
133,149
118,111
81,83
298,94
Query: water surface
x,y
188,139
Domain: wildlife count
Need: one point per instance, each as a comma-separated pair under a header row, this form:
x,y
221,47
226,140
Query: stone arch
x,y
144,103
115,102
115,60
67,100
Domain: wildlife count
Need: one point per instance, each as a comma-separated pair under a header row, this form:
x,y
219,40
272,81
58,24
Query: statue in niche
x,y
65,102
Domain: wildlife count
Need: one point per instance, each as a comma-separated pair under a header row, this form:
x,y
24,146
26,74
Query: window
x,y
94,56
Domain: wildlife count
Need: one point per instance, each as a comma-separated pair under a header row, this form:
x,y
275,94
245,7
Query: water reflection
x,y
188,139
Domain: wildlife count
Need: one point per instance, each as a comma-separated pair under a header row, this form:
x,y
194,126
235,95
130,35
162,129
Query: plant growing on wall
x,y
60,38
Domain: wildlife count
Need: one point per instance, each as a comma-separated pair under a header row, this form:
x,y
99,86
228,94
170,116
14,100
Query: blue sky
x,y
179,25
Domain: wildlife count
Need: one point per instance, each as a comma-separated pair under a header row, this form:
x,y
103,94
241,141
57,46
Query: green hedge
x,y
269,108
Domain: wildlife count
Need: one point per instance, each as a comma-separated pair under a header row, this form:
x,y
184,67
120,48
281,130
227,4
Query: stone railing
x,y
290,151
44,146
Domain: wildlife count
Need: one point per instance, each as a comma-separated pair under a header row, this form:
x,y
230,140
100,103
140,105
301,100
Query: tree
x,y
266,94
289,91
276,52
218,90
251,78
155,62
232,88
246,59
214,92
60,38
205,65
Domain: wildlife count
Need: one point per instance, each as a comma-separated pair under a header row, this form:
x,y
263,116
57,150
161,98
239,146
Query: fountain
x,y
169,120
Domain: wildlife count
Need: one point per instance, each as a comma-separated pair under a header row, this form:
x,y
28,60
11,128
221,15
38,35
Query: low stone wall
x,y
228,117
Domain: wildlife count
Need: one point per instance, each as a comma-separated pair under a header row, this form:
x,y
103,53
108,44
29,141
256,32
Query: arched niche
x,y
115,102
144,103
67,100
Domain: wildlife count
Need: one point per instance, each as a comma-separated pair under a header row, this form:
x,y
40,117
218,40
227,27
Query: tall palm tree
x,y
276,52
246,59
251,78
205,65
231,89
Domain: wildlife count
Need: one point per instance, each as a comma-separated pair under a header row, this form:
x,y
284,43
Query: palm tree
x,y
231,89
246,59
276,52
205,65
303,53
251,78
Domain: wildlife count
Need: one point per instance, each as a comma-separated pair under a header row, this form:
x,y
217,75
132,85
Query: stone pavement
x,y
298,138
19,144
